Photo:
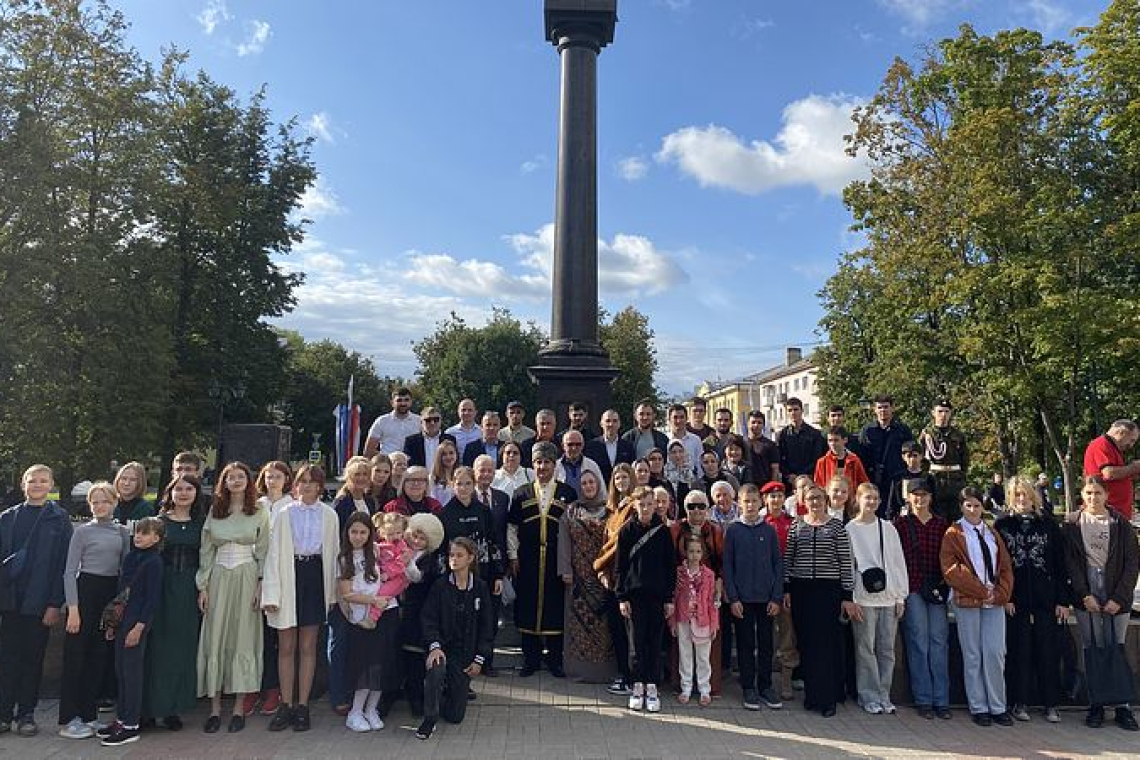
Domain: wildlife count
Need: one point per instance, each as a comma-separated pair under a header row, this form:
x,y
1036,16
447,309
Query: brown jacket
x,y
969,591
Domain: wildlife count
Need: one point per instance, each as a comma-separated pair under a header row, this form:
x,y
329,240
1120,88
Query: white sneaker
x,y
653,703
1020,713
874,708
77,729
357,722
375,722
888,708
637,698
1052,715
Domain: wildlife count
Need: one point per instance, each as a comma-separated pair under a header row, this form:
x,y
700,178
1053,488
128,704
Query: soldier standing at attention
x,y
946,451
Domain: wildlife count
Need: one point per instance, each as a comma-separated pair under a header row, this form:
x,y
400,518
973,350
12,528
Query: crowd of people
x,y
643,559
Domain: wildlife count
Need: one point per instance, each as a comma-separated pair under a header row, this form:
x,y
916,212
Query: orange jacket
x,y
969,591
827,465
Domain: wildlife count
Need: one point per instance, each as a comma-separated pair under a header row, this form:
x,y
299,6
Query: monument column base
x,y
565,378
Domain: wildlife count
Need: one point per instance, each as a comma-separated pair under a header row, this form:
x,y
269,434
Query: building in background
x,y
767,391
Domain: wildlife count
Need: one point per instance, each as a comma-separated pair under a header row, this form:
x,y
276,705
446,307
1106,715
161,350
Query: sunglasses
x,y
431,419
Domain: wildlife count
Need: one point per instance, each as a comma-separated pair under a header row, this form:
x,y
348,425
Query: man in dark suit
x,y
609,449
488,442
421,447
499,503
644,435
544,421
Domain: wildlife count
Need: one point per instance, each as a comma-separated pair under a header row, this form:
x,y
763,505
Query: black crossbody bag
x,y
875,578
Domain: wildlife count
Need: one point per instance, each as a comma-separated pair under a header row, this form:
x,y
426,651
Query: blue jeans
x,y
981,632
338,656
926,631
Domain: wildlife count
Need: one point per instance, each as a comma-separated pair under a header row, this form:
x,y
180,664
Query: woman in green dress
x,y
171,686
235,540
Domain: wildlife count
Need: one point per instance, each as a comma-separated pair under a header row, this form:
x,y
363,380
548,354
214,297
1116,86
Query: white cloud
x,y
534,164
319,201
257,34
627,265
472,277
212,15
809,149
918,13
1050,17
750,27
320,126
632,168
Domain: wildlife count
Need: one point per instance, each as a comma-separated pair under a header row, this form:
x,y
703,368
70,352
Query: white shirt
x,y
305,522
430,446
974,549
508,483
390,431
464,436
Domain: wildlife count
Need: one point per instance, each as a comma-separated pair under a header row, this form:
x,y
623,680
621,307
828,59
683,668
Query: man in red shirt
x,y
1105,457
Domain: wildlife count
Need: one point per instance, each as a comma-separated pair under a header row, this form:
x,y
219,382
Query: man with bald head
x,y
573,462
466,431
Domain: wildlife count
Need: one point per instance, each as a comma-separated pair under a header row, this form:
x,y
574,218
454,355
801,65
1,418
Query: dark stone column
x,y
573,366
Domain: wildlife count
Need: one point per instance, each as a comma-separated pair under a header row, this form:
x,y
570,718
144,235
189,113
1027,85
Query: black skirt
x,y
374,660
310,582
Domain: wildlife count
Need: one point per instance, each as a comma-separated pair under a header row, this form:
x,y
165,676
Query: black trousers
x,y
445,691
647,615
23,642
496,609
269,677
816,605
1033,658
754,646
619,634
87,655
129,671
727,625
532,647
414,674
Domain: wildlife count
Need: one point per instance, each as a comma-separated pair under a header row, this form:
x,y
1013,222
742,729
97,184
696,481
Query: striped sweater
x,y
820,552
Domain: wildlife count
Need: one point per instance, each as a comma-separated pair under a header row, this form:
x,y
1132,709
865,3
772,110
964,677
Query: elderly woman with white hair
x,y
1039,603
414,498
724,510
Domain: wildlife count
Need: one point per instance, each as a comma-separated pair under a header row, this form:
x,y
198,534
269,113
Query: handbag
x,y
934,589
112,616
1107,675
16,563
875,578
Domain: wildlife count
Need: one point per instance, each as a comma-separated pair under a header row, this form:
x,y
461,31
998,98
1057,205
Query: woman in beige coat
x,y
298,589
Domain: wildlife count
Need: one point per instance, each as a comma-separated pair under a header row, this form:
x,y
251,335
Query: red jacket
x,y
828,464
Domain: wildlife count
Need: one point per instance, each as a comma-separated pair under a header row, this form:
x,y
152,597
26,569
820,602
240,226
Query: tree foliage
x,y
996,265
140,211
629,340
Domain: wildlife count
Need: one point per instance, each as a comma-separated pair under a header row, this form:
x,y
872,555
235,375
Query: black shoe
x,y
426,728
942,712
301,720
213,724
108,729
1003,719
122,736
1126,720
172,722
619,687
924,711
1095,717
526,671
282,719
237,723
981,719
558,672
828,712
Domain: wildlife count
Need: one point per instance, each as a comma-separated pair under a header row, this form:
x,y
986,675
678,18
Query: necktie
x,y
987,558
487,499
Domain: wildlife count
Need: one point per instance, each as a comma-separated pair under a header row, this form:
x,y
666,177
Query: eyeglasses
x,y
691,507
431,419
572,445
415,480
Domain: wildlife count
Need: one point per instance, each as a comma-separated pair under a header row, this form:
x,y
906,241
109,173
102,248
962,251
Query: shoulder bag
x,y
875,578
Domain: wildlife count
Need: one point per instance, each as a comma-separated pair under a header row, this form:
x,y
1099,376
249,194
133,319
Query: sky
x,y
720,155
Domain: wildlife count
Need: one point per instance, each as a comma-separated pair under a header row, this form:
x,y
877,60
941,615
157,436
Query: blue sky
x,y
720,155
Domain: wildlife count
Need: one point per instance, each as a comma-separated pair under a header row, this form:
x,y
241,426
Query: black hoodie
x,y
651,570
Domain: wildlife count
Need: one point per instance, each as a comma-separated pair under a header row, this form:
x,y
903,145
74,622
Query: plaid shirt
x,y
921,545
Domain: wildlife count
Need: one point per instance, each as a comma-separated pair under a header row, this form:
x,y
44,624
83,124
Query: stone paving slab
x,y
550,719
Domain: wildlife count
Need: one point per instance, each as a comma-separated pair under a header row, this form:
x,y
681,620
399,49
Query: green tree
x,y
316,380
488,364
628,338
983,224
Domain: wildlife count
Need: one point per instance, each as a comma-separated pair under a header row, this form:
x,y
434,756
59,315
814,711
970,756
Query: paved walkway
x,y
546,718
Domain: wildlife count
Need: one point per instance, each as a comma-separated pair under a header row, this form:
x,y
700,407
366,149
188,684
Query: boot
x,y
786,691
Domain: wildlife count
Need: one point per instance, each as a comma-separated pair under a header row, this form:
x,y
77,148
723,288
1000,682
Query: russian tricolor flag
x,y
347,428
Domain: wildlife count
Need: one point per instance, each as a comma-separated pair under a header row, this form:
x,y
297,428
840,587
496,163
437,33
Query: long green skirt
x,y
171,684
